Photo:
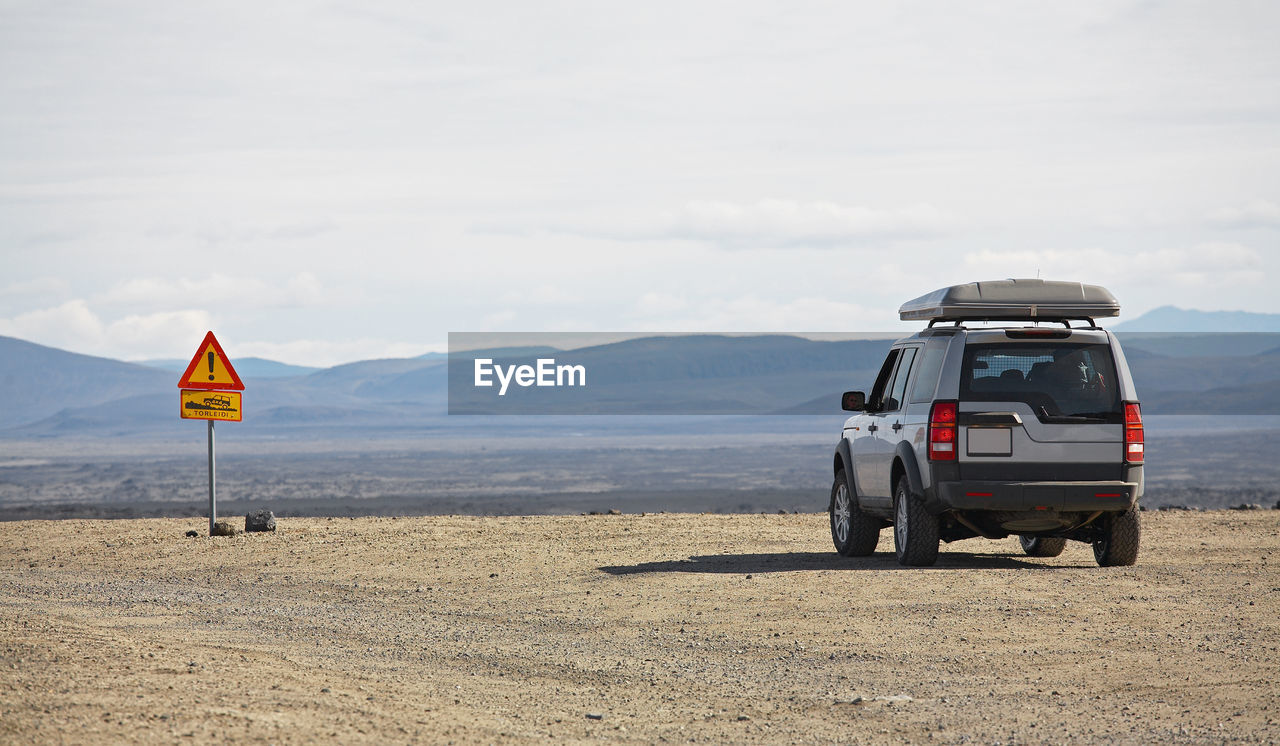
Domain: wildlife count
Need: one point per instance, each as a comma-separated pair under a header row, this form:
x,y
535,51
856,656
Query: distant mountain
x,y
173,364
1239,400
1183,320
1186,373
352,377
50,392
1204,344
247,367
378,399
36,381
152,412
46,391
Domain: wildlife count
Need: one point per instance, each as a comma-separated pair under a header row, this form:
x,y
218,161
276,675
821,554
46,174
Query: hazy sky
x,y
319,184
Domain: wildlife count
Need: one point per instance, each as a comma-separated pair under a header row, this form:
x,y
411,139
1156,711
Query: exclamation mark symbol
x,y
211,365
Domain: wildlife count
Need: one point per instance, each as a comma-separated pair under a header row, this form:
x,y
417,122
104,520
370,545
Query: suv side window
x,y
874,401
898,392
927,378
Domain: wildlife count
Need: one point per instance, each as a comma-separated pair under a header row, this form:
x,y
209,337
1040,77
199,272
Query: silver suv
x,y
1029,428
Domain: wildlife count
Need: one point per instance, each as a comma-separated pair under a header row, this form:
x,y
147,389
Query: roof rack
x,y
1013,300
1065,321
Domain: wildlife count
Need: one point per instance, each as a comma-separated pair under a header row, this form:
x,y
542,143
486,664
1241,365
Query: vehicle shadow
x,y
808,561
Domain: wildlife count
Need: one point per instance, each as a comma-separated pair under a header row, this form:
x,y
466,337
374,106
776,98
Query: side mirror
x,y
853,401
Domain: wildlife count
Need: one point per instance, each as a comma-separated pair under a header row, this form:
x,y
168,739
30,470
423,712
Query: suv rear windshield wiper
x,y
1102,417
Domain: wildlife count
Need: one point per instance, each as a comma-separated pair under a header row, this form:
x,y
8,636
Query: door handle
x,y
897,426
872,428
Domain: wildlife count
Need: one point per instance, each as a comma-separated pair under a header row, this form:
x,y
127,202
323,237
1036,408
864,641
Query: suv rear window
x,y
1060,381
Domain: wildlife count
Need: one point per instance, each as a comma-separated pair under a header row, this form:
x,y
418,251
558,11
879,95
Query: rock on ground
x,y
260,520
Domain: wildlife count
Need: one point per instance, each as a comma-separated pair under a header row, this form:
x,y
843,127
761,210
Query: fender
x,y
907,456
845,456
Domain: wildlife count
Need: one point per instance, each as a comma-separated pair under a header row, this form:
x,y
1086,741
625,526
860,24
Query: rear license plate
x,y
990,441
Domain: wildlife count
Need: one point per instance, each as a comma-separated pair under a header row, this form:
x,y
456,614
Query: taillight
x,y
1133,440
942,431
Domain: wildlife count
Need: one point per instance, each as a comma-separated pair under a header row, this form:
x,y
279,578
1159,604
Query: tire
x,y
854,533
915,532
1042,546
1122,534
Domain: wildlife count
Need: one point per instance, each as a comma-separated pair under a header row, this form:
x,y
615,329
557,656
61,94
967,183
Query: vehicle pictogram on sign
x,y
211,405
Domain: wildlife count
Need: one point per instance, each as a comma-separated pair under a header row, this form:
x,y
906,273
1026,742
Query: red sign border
x,y
185,383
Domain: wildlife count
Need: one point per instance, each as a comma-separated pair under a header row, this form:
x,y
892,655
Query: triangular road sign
x,y
210,369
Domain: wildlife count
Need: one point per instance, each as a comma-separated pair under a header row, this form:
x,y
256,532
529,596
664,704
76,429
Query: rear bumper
x,y
1017,496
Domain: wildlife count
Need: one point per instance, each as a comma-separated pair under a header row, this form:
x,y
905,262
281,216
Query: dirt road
x,y
658,628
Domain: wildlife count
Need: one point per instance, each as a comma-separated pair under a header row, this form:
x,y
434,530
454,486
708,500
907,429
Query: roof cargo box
x,y
1012,300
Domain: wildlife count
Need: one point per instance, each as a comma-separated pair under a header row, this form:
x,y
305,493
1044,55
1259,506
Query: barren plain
x,y
1188,464
630,628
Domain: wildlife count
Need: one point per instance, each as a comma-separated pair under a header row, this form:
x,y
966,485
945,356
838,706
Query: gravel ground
x,y
631,628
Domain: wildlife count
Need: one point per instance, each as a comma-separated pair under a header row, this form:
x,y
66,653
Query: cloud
x,y
71,325
751,313
628,153
17,296
656,304
497,320
1206,265
34,287
542,294
157,331
75,326
1255,214
217,290
219,231
788,223
769,223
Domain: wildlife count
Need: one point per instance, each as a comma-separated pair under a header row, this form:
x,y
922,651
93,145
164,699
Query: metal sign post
x,y
210,390
213,497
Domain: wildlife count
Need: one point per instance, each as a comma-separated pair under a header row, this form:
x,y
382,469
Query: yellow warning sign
x,y
211,405
210,369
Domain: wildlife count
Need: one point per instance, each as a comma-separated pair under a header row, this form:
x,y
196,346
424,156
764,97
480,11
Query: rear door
x,y
888,436
1039,410
886,428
